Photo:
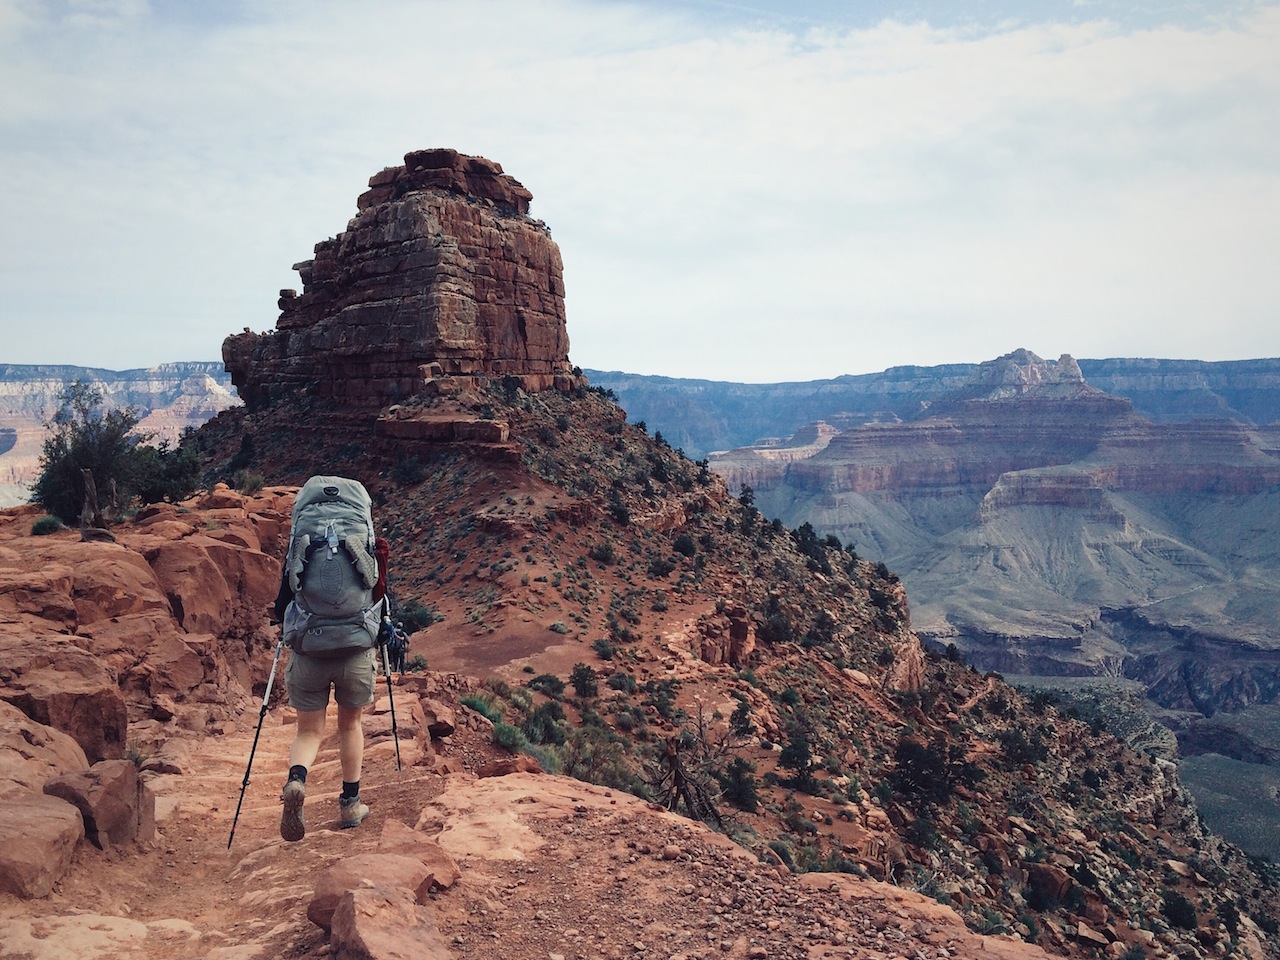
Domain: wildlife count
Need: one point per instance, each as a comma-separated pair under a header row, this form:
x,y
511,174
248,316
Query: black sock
x,y
350,790
298,772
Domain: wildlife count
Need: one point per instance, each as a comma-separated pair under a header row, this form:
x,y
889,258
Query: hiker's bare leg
x,y
350,742
306,741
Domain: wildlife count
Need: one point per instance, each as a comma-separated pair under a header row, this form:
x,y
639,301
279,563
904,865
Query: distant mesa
x,y
441,275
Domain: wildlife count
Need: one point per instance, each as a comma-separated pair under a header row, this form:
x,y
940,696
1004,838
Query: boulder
x,y
117,807
1050,881
440,718
400,838
113,582
41,592
54,682
389,871
504,766
411,722
31,752
38,836
208,580
149,653
386,924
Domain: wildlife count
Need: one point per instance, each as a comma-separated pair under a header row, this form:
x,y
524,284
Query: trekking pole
x,y
383,633
261,713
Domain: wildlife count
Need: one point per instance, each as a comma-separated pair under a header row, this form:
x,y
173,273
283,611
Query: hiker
x,y
327,606
398,647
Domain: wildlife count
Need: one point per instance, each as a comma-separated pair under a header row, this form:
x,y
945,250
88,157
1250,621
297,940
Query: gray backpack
x,y
332,570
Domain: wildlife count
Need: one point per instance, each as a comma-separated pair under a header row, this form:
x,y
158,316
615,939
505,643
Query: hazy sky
x,y
759,191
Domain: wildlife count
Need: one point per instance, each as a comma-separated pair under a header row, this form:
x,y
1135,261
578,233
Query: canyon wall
x,y
705,416
1046,527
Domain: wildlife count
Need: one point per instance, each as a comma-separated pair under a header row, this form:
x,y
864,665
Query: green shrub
x,y
603,648
546,724
624,682
482,706
46,525
509,737
660,567
922,832
784,853
1229,914
248,482
559,627
1178,910
82,437
583,679
739,784
547,683
547,757
796,755
416,616
408,471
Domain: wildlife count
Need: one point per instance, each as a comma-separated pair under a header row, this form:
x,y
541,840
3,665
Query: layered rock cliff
x,y
706,416
1043,526
441,273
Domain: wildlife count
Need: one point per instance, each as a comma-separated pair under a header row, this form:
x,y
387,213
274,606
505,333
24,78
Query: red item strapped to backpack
x,y
382,551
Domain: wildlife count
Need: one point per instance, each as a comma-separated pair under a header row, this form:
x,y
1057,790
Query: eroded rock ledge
x,y
441,274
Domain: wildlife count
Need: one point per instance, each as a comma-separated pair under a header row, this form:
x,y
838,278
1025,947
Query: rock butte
x,y
442,274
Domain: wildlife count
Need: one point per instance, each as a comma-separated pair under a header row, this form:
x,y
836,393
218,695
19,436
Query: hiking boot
x,y
353,812
291,825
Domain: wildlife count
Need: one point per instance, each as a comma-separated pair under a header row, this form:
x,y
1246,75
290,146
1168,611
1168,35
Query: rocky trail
x,y
546,867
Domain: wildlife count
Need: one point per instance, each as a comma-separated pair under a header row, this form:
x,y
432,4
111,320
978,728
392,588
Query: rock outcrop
x,y
441,274
121,647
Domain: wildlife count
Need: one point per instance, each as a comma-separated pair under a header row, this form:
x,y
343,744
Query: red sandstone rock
x,y
519,763
386,924
117,808
390,871
442,269
400,838
56,683
441,720
31,752
38,836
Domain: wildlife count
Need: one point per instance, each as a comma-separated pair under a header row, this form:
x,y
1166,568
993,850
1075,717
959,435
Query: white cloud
x,y
735,203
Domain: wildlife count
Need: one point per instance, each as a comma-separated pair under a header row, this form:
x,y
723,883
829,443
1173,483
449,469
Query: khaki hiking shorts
x,y
308,680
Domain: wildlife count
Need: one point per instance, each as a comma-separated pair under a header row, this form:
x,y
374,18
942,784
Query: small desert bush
x,y
484,707
46,525
248,482
509,737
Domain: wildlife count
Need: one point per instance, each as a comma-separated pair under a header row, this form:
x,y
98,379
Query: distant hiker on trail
x,y
398,647
330,608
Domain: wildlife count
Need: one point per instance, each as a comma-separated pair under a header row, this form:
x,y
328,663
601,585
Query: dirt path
x,y
186,894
